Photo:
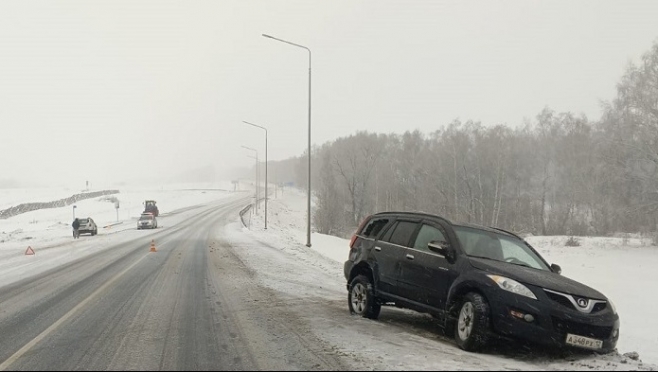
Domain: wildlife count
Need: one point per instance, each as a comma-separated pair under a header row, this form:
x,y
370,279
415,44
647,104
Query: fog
x,y
116,91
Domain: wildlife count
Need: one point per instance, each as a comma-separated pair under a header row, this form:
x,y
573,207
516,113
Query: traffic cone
x,y
153,246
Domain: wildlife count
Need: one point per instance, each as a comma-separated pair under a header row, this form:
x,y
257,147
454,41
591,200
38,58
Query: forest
x,y
556,174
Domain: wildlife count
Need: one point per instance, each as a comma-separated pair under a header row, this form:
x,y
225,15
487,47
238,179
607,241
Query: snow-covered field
x,y
623,269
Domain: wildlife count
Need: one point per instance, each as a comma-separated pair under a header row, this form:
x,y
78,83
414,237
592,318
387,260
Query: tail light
x,y
353,240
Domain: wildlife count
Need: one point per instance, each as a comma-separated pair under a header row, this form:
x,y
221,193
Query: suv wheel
x,y
361,298
472,328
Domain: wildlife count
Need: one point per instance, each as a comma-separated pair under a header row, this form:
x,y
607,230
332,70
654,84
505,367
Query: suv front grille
x,y
561,300
599,307
567,300
580,329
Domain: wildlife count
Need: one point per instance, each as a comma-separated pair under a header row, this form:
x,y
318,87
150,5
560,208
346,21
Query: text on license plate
x,y
585,342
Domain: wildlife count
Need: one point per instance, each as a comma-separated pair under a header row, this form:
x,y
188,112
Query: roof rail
x,y
415,214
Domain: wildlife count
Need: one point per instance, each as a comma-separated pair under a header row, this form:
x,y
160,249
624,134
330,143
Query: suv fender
x,y
368,269
474,281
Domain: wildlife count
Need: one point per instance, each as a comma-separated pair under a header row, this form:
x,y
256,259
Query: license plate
x,y
584,342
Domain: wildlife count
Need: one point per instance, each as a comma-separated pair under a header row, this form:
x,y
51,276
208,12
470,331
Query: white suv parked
x,y
88,226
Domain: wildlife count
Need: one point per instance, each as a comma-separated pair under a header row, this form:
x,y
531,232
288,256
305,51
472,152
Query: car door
x,y
424,274
389,252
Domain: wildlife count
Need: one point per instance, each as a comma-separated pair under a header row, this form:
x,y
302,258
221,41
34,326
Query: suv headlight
x,y
513,286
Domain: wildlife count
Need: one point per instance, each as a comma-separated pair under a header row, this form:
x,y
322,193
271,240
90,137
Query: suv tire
x,y
361,298
472,326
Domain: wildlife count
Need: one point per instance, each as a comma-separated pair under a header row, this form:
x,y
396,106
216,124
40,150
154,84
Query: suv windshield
x,y
498,247
145,218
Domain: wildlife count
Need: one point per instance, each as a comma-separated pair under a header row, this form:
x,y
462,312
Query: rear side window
x,y
402,233
374,227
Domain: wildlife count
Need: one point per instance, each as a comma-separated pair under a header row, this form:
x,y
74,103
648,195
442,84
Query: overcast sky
x,y
109,91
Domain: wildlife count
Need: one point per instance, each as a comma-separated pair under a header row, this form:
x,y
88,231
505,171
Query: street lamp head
x,y
255,125
271,37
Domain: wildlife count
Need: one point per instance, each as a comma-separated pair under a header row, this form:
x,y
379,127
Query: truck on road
x,y
150,207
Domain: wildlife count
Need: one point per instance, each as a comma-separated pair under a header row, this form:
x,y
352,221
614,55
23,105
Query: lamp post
x,y
257,173
308,222
265,129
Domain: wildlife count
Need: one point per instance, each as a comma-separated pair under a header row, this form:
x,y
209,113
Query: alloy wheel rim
x,y
359,298
465,326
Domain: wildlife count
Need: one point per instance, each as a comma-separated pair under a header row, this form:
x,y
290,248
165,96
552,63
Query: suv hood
x,y
537,278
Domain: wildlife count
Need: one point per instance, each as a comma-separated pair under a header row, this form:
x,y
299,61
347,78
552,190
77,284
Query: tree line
x,y
558,173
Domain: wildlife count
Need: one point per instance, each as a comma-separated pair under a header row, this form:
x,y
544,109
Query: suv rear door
x,y
425,275
389,252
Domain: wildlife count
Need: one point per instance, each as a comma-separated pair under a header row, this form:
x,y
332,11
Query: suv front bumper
x,y
551,322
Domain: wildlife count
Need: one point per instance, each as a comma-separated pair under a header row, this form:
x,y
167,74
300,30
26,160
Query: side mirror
x,y
443,248
556,269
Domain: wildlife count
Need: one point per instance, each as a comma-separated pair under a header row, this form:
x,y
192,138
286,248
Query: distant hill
x,y
281,171
12,184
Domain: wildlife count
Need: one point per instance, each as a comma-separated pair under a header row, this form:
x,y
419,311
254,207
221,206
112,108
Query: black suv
x,y
480,281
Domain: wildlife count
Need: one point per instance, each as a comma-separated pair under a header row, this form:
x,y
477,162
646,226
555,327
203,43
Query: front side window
x,y
402,233
498,247
427,234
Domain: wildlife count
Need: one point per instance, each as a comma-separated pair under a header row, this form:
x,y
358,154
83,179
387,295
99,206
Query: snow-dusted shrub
x,y
572,242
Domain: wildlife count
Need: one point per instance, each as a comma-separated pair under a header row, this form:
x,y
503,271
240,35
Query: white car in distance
x,y
147,221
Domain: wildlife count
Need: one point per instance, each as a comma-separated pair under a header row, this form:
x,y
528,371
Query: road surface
x,y
192,305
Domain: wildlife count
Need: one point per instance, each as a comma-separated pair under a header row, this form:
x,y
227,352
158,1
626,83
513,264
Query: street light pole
x,y
257,173
265,129
256,182
308,222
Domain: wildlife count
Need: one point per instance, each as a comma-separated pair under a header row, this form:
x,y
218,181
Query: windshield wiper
x,y
521,264
493,259
486,258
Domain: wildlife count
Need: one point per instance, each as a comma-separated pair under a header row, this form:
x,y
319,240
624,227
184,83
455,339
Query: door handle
x,y
410,257
378,249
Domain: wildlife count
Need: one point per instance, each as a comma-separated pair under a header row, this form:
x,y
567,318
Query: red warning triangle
x,y
29,251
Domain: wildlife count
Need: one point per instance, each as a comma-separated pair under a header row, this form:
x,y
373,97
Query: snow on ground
x,y
620,268
623,269
49,232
